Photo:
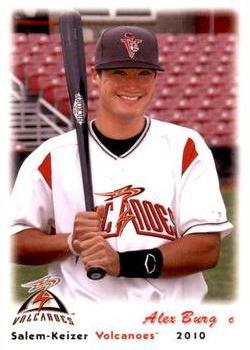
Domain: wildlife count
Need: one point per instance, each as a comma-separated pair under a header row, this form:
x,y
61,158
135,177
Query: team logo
x,y
42,304
131,43
149,219
79,109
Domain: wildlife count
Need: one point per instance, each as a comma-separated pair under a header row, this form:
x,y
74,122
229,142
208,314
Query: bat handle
x,y
96,273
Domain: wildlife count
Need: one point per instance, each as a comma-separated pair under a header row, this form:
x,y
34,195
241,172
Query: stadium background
x,y
198,89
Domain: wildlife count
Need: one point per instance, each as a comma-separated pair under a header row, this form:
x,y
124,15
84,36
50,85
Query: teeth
x,y
130,98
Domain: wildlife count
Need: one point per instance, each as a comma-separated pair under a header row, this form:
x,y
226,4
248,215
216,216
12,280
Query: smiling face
x,y
124,93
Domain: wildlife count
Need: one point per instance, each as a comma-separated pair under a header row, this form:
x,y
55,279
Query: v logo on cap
x,y
131,43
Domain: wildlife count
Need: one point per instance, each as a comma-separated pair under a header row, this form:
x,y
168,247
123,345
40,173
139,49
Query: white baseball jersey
x,y
163,188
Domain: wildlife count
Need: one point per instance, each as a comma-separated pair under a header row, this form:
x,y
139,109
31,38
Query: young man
x,y
160,215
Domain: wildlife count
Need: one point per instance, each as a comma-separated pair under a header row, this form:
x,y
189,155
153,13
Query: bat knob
x,y
96,273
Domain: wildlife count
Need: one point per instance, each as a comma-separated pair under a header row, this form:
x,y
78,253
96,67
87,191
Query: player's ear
x,y
95,75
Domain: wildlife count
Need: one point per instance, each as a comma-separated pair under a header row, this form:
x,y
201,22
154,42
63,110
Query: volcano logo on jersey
x,y
125,192
150,219
131,43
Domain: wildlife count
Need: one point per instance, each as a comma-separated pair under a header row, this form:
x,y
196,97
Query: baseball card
x,y
125,191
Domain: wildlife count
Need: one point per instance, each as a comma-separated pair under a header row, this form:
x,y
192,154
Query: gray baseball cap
x,y
127,47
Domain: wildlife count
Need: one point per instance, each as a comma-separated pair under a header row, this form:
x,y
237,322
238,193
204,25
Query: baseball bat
x,y
76,77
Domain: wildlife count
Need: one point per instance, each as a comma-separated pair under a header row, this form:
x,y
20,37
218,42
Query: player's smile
x,y
125,92
129,98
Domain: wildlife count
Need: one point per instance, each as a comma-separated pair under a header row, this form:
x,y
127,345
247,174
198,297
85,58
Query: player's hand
x,y
89,221
90,243
96,251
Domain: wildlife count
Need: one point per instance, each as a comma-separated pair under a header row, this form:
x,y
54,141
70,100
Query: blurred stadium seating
x,y
197,88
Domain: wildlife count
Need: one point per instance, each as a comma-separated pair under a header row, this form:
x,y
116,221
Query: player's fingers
x,y
94,262
104,234
83,225
110,267
86,215
93,247
102,255
86,222
81,230
85,236
89,250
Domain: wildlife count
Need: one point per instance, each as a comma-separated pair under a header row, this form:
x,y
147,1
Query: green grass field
x,y
221,280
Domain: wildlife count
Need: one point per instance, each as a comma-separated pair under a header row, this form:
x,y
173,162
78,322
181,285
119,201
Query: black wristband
x,y
146,263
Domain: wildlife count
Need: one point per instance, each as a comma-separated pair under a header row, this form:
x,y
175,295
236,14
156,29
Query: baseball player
x,y
159,213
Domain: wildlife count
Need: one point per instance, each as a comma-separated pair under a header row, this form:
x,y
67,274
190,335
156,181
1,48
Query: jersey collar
x,y
132,148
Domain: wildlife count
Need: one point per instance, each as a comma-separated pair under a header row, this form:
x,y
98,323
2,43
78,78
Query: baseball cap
x,y
127,47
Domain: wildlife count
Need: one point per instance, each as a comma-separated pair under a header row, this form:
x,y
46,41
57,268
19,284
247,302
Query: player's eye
x,y
119,72
147,72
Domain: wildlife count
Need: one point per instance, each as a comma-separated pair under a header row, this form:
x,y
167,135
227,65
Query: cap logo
x,y
131,43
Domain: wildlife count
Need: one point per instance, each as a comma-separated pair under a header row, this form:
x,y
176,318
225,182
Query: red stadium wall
x,y
216,22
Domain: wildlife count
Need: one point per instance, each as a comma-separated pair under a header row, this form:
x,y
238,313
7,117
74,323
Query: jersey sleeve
x,y
31,198
200,207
